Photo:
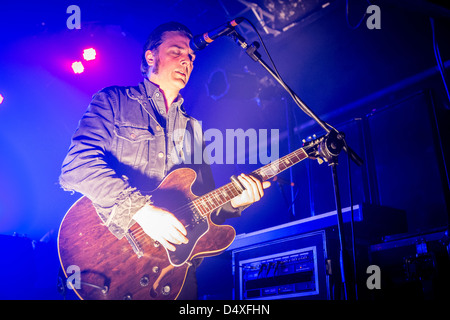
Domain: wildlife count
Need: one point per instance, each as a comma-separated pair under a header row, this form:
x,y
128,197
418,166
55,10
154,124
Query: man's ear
x,y
150,58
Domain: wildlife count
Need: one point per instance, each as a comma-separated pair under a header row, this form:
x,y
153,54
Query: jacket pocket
x,y
133,144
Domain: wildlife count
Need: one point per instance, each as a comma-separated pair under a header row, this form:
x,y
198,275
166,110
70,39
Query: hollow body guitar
x,y
136,267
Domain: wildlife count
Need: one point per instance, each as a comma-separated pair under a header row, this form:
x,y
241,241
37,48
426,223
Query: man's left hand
x,y
254,190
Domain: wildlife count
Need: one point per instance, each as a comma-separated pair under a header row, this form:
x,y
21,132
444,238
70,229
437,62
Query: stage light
x,y
89,54
77,67
1,99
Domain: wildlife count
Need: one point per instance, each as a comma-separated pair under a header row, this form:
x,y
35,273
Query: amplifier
x,y
290,268
283,275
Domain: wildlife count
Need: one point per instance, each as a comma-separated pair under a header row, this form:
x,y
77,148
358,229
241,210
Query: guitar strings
x,y
188,208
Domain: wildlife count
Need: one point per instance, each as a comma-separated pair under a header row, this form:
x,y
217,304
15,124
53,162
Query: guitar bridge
x,y
134,244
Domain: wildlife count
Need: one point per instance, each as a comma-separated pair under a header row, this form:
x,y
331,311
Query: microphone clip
x,y
251,50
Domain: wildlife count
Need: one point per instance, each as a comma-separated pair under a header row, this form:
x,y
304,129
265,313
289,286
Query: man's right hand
x,y
161,226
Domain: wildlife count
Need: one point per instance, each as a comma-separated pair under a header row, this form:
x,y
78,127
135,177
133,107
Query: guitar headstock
x,y
325,148
311,147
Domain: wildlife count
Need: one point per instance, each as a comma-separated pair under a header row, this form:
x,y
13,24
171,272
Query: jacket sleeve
x,y
86,170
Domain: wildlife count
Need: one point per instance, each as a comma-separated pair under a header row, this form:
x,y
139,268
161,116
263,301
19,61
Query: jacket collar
x,y
145,90
151,91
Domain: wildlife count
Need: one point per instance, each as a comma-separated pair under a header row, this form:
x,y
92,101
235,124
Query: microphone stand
x,y
329,149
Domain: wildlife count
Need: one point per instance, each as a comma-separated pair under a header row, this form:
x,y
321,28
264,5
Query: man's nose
x,y
185,60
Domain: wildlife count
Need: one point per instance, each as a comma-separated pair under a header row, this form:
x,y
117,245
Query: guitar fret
x,y
215,199
222,198
197,203
281,164
210,201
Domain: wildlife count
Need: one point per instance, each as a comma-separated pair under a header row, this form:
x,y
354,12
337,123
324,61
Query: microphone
x,y
200,41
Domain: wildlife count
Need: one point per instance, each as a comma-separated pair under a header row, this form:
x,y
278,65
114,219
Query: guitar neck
x,y
272,169
219,197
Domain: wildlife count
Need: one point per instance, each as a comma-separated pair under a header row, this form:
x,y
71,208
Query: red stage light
x,y
89,54
77,67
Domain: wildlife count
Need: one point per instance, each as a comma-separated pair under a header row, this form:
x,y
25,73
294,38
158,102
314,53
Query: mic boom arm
x,y
252,52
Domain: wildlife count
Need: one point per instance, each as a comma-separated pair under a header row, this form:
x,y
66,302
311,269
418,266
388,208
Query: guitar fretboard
x,y
272,169
219,197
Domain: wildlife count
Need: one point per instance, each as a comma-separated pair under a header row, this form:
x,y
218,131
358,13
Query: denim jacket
x,y
124,147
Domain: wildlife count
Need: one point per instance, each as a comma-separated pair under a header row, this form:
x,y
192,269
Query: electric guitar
x,y
100,266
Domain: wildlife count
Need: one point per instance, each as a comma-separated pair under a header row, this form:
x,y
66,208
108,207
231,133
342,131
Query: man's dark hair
x,y
155,39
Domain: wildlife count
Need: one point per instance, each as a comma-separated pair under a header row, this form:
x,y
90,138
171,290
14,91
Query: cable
x,y
277,75
264,47
347,13
437,55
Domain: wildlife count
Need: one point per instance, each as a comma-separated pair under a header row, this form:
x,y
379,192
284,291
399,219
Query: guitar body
x,y
135,267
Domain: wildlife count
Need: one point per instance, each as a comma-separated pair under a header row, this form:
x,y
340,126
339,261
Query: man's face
x,y
172,61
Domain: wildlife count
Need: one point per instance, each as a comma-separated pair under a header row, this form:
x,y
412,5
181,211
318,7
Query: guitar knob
x,y
144,281
166,290
155,269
